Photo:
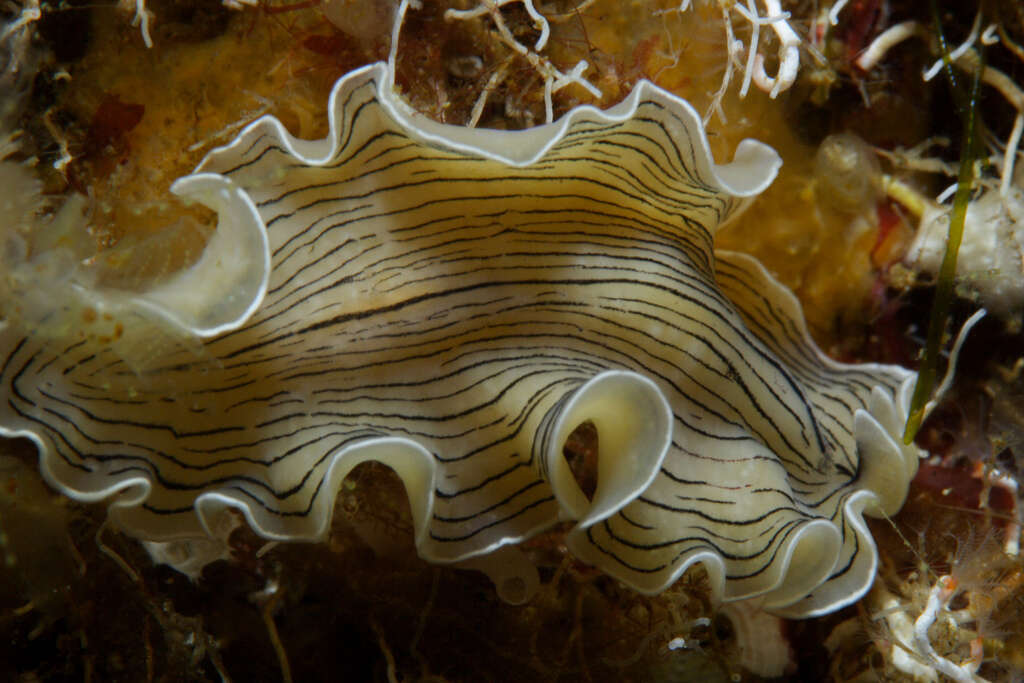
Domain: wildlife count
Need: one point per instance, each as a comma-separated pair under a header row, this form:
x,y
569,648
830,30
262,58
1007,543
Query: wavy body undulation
x,y
453,303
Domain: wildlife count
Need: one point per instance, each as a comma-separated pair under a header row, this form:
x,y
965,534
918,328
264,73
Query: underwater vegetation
x,y
464,378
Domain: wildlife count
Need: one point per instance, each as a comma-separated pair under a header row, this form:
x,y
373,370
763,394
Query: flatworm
x,y
453,303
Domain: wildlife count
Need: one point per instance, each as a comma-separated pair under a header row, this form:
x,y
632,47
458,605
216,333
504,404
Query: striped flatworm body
x,y
453,303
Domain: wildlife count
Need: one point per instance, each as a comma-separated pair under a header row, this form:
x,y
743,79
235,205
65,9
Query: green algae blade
x,y
944,287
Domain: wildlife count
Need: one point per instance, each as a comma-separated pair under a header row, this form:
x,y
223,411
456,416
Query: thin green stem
x,y
944,288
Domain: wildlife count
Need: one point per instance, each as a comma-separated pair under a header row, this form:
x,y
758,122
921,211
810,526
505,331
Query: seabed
x,y
112,102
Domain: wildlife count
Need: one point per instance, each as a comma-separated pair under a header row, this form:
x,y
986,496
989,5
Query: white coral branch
x,y
141,19
938,601
912,652
885,41
754,69
789,53
554,79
